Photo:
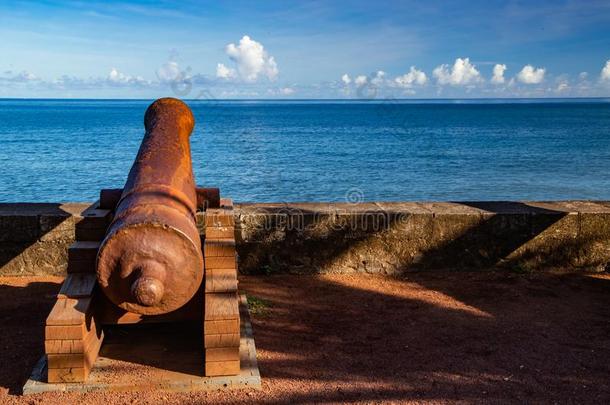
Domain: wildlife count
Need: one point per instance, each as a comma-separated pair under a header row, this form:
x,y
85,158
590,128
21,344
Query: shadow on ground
x,y
175,346
446,336
23,311
449,336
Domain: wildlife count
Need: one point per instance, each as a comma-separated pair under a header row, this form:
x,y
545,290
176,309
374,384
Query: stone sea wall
x,y
365,237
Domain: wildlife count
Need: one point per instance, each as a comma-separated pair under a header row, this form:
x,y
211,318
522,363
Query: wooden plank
x,y
66,360
207,197
92,348
109,198
94,332
219,247
63,346
60,346
63,332
220,280
226,203
219,217
220,368
90,234
222,354
221,306
220,232
67,375
83,251
221,262
84,359
94,217
67,331
229,326
221,340
71,349
78,285
68,311
73,345
81,266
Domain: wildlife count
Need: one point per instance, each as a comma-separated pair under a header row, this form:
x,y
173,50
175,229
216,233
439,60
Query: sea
x,y
320,150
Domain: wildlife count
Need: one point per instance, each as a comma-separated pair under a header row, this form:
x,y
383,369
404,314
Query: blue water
x,y
66,150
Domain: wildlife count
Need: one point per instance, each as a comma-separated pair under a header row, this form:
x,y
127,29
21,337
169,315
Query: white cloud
x,y
462,73
25,76
531,75
66,82
239,93
169,71
22,77
414,76
562,86
223,72
361,80
118,78
498,74
367,87
281,91
583,75
605,74
377,79
251,60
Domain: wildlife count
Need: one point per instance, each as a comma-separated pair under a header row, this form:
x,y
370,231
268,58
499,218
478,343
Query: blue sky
x,y
315,49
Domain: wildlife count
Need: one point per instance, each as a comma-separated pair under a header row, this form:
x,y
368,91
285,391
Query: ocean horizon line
x,y
472,100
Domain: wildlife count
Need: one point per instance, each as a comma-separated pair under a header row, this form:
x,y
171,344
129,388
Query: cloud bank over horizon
x,y
529,81
404,49
255,72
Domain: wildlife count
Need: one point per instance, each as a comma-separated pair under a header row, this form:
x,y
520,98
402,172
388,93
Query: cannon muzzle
x,y
150,261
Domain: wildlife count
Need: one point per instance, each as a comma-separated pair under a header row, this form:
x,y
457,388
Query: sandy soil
x,y
441,337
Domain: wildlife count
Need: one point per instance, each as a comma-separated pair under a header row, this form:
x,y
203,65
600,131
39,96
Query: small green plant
x,y
258,306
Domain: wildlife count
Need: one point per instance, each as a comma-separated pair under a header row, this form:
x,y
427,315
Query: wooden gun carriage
x,y
139,257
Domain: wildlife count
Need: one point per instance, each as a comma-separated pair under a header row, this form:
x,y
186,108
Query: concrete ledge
x,y
398,237
365,237
34,238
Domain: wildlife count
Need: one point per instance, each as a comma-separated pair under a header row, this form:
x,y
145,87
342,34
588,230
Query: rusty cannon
x,y
150,261
139,257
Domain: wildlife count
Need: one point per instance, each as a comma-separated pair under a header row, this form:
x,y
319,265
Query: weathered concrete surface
x,y
397,237
34,238
366,237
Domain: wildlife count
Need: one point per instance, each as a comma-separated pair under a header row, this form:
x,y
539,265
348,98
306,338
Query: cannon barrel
x,y
150,261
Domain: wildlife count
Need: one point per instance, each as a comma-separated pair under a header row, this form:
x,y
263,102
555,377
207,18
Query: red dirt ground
x,y
428,337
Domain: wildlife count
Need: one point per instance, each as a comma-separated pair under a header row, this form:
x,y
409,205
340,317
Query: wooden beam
x,y
78,285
